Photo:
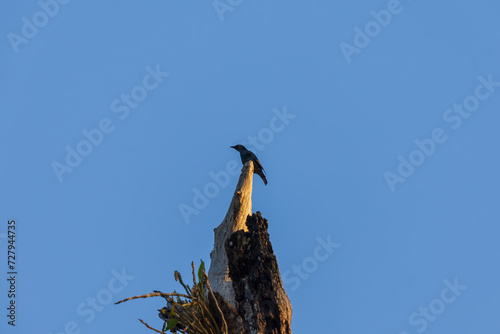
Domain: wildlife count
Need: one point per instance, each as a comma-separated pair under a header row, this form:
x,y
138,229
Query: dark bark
x,y
261,300
233,320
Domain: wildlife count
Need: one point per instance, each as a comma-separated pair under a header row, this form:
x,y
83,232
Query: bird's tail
x,y
262,176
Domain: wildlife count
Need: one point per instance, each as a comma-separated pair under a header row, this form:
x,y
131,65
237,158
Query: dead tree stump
x,y
244,269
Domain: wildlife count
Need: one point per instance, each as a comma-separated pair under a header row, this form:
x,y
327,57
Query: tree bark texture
x,y
244,269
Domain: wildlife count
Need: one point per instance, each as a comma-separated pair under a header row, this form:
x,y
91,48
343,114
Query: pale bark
x,y
235,220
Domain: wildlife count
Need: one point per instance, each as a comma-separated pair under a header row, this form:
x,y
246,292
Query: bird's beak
x,y
232,146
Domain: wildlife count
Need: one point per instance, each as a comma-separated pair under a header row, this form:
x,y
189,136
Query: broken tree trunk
x,y
236,216
244,269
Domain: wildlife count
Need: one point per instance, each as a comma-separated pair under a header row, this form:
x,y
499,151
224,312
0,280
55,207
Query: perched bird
x,y
247,155
166,315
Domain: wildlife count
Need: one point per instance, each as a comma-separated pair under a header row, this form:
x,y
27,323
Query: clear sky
x,y
376,121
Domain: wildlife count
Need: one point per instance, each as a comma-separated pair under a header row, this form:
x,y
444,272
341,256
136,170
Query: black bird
x,y
247,155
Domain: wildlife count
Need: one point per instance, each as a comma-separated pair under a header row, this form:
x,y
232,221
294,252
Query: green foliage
x,y
171,323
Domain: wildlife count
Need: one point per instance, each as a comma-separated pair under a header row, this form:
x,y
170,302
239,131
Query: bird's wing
x,y
257,163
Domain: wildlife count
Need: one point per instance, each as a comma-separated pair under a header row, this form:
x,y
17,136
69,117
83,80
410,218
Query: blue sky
x,y
376,121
